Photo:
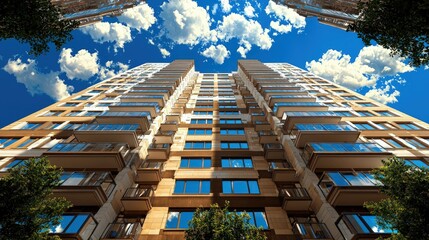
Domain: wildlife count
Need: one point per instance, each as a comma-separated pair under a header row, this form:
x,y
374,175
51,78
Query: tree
x,y
221,224
36,22
406,207
398,25
27,208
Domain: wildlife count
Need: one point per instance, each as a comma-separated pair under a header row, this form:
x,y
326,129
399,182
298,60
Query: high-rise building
x,y
336,13
90,11
142,150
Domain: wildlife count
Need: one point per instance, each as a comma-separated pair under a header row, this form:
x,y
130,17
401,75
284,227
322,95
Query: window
x,y
409,126
384,125
344,113
385,113
237,163
83,97
416,163
240,187
365,114
203,113
73,224
351,98
73,113
364,126
54,126
387,143
14,163
199,131
198,145
203,106
27,142
227,106
178,220
414,143
230,121
234,145
69,104
92,113
52,113
5,142
225,113
30,126
367,104
238,131
257,218
201,121
195,163
192,187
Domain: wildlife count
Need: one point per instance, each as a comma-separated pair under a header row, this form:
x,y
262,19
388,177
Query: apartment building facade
x,y
142,150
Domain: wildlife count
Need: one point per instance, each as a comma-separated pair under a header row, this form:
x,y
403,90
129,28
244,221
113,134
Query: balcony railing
x,y
293,117
149,172
79,226
294,193
126,133
108,127
295,199
273,151
137,199
90,147
304,133
123,230
143,119
355,226
307,231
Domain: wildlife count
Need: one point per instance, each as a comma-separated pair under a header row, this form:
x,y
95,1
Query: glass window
x,y
192,187
5,142
201,121
394,143
69,104
364,126
93,113
237,163
344,113
365,113
416,163
234,145
199,131
409,126
224,113
31,126
70,224
178,220
195,163
83,97
230,121
203,113
385,113
414,143
240,187
351,98
366,104
14,163
238,131
27,142
52,113
73,113
198,145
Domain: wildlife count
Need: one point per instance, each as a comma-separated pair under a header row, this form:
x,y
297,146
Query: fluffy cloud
x,y
36,82
185,22
246,31
111,69
214,9
286,14
249,11
226,6
280,27
164,52
109,32
217,53
244,49
383,95
82,65
370,65
140,17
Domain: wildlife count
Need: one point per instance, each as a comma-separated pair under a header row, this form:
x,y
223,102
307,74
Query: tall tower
x,y
142,150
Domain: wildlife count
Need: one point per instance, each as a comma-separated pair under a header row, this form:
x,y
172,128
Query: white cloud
x,y
140,17
280,27
82,65
217,53
109,32
185,22
214,9
226,6
164,52
249,11
370,65
151,42
246,31
284,13
36,82
111,69
383,95
244,49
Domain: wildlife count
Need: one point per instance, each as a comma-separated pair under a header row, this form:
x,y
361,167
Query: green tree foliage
x,y
399,25
36,22
26,204
407,207
220,224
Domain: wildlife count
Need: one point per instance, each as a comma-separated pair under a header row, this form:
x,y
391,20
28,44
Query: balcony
x,y
350,188
308,231
158,151
163,92
295,199
124,229
257,116
267,137
76,226
282,172
356,226
137,199
149,173
270,92
319,156
151,107
143,119
292,118
302,134
160,99
273,151
89,156
290,98
164,137
280,107
169,126
85,188
122,133
262,126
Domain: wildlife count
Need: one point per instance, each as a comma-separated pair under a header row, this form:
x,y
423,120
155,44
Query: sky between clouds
x,y
215,34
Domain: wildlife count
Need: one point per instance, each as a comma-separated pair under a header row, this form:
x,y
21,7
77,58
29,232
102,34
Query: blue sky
x,y
216,34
